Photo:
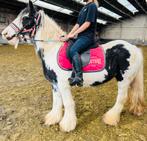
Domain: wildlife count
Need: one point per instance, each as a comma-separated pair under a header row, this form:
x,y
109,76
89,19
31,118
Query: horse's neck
x,y
49,30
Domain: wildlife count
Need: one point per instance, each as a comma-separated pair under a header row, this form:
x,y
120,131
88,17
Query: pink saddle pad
x,y
96,63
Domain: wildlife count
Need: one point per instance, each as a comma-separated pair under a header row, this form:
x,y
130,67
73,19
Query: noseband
x,y
23,31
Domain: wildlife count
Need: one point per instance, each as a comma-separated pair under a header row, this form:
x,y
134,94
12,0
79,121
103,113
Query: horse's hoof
x,y
111,118
67,125
52,118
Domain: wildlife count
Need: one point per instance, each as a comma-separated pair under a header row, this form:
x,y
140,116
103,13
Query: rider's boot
x,y
77,67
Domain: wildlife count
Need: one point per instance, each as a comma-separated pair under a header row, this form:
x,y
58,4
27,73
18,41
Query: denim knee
x,y
72,52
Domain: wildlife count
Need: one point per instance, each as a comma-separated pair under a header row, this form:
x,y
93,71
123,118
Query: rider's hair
x,y
96,2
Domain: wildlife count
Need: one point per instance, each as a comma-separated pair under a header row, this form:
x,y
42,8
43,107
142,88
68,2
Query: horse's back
x,y
121,43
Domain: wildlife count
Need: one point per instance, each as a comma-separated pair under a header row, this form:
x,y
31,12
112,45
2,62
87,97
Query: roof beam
x,y
111,7
68,4
142,4
119,8
136,6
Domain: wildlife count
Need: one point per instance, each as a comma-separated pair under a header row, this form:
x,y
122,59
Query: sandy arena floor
x,y
25,98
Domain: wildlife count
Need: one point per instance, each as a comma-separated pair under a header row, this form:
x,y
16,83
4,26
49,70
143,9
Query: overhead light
x,y
108,12
80,1
101,21
50,6
128,5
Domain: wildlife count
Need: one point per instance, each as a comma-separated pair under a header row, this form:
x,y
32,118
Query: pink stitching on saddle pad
x,y
97,59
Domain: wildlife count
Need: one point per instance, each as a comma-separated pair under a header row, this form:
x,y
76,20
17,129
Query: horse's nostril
x,y
5,34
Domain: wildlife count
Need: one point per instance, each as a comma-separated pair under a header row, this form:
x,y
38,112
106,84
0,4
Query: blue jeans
x,y
78,46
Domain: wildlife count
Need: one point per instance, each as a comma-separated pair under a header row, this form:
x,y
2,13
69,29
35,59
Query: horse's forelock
x,y
23,12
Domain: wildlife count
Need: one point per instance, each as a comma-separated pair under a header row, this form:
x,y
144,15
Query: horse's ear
x,y
32,10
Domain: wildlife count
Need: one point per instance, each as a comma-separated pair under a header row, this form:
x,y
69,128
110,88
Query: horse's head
x,y
23,27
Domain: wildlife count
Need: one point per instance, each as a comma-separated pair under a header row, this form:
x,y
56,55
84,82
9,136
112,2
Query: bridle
x,y
20,33
23,31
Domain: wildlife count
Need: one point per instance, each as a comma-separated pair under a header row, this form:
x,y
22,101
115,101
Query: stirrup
x,y
70,80
76,81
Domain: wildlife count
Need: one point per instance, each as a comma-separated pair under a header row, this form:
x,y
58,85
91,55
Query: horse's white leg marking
x,y
112,117
68,123
55,115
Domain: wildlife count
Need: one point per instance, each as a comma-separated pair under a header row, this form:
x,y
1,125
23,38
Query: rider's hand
x,y
63,38
71,36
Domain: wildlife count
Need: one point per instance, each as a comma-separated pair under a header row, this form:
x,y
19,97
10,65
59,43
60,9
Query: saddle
x,y
92,60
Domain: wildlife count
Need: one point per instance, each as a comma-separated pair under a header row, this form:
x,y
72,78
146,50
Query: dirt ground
x,y
25,98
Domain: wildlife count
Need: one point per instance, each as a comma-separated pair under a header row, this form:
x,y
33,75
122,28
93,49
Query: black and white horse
x,y
124,61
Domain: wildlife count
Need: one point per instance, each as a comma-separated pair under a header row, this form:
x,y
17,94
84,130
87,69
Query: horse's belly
x,y
91,78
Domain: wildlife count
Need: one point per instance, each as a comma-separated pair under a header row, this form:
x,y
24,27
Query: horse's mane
x,y
50,29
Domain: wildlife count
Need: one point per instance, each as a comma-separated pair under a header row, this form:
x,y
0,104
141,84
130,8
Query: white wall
x,y
133,30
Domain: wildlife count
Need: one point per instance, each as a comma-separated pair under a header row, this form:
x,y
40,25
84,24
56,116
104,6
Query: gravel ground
x,y
25,98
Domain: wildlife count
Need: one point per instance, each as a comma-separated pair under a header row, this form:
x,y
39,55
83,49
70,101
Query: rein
x,y
47,41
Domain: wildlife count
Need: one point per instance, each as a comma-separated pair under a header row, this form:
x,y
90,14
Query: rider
x,y
83,34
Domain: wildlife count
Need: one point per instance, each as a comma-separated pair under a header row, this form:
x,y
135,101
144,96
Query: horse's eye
x,y
25,18
27,22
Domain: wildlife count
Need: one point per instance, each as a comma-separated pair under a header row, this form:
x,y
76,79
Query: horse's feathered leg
x,y
112,117
68,122
55,115
128,77
136,93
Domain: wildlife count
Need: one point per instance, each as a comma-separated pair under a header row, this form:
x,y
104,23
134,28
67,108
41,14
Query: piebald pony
x,y
124,61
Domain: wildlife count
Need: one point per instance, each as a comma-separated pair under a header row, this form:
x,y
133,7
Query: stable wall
x,y
133,30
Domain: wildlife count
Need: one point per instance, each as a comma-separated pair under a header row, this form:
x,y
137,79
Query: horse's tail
x,y
136,93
